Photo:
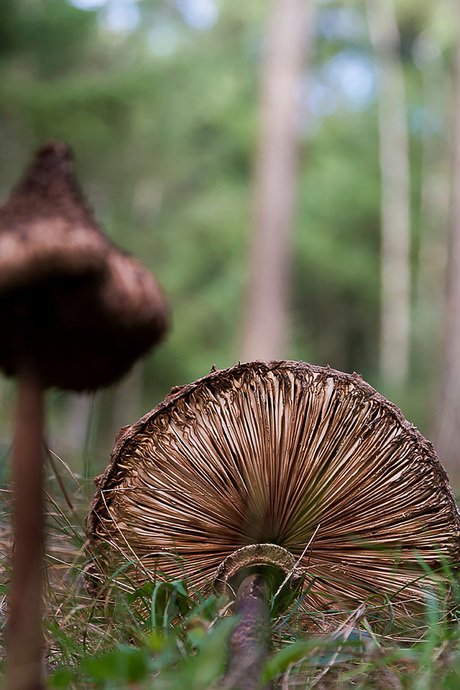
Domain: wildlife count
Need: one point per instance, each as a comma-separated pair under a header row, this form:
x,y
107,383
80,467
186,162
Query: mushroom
x,y
75,313
271,456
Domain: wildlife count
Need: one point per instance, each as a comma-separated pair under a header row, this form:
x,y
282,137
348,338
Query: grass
x,y
165,636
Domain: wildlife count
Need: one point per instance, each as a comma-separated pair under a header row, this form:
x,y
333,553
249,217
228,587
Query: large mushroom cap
x,y
72,305
274,453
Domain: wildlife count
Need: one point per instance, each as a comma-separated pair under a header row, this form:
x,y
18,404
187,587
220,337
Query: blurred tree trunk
x,y
395,200
127,399
434,221
447,434
79,406
266,321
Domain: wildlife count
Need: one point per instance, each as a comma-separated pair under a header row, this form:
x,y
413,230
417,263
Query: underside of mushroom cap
x,y
283,453
73,306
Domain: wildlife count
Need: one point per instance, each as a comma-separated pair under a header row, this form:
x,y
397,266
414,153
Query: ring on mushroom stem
x,y
254,574
274,563
270,455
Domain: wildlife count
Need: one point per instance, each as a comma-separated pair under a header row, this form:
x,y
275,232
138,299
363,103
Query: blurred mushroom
x,y
75,312
283,454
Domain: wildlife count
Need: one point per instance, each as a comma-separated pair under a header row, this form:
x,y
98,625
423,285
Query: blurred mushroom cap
x,y
280,453
72,305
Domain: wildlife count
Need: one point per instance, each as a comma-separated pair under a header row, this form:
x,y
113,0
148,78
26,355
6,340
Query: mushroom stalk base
x,y
250,641
24,666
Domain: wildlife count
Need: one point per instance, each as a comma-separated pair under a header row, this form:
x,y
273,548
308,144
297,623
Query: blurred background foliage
x,y
159,101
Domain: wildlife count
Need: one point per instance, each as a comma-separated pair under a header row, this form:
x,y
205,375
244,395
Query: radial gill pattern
x,y
278,452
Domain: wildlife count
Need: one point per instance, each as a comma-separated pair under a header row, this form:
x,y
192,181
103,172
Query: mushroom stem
x,y
24,637
250,641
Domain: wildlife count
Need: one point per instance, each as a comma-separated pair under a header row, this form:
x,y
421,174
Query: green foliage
x,y
178,642
165,145
164,635
50,37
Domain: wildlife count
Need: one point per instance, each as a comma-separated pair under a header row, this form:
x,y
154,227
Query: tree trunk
x,y
429,295
266,315
395,199
77,421
127,399
447,435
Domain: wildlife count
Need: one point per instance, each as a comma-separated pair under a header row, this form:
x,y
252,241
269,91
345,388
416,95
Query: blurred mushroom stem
x,y
24,637
75,313
250,641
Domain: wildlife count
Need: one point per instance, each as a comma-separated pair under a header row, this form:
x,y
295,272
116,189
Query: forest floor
x,y
165,636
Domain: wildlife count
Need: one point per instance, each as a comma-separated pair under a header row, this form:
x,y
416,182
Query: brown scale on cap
x,y
73,305
283,453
